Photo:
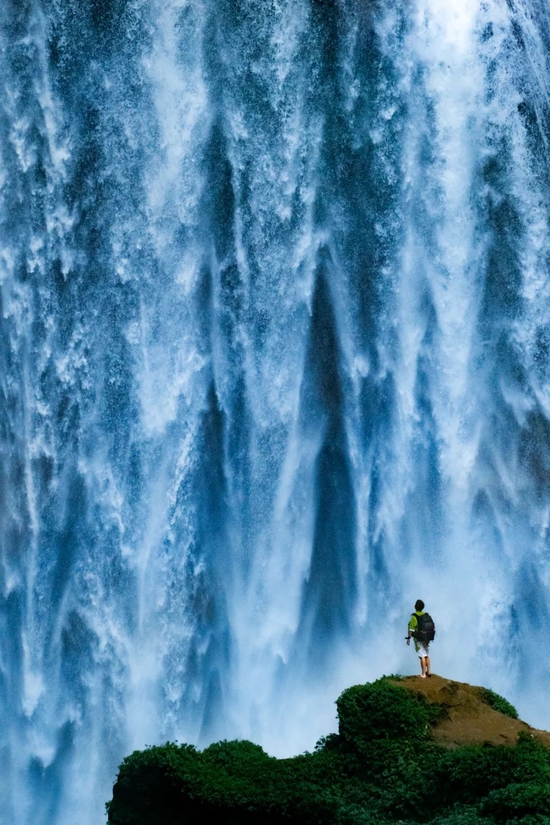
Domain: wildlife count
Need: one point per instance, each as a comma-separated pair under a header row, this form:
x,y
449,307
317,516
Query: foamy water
x,y
274,364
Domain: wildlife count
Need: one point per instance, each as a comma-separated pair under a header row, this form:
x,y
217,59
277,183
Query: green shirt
x,y
413,624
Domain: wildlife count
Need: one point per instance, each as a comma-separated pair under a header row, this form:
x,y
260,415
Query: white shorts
x,y
423,649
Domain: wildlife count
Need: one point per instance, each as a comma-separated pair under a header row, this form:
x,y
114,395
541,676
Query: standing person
x,y
422,630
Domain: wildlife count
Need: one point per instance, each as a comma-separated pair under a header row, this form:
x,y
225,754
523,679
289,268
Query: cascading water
x,y
275,362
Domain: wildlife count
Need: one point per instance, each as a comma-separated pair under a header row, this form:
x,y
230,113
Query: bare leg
x,y
423,666
428,666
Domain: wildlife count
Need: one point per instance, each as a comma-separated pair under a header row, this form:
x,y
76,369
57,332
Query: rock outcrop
x,y
469,717
408,750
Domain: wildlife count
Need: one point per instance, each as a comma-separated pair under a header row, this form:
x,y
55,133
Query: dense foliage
x,y
382,767
499,703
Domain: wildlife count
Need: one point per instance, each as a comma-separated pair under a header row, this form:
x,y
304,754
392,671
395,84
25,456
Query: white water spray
x,y
274,360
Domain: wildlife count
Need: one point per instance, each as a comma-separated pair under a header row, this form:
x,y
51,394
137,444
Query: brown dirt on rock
x,y
468,719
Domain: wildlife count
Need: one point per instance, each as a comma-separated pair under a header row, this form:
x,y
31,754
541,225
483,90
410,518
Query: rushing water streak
x,y
275,362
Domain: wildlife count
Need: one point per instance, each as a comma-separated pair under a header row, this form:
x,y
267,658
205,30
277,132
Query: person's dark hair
x,y
419,605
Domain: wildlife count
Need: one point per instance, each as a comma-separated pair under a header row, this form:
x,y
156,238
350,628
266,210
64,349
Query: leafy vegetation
x,y
381,767
498,703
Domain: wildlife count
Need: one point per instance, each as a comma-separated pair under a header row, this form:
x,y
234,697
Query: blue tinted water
x,y
274,363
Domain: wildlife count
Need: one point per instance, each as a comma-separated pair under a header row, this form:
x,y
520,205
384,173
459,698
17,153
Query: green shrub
x,y
234,783
155,785
381,710
498,703
517,801
462,815
470,773
381,768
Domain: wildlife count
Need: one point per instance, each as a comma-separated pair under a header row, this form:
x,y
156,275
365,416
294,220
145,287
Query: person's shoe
x,y
422,675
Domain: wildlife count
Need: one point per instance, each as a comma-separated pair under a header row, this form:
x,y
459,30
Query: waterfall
x,y
275,363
